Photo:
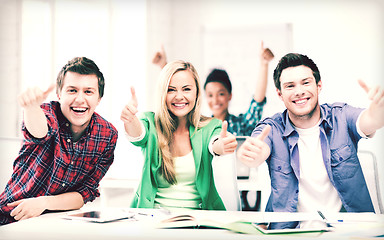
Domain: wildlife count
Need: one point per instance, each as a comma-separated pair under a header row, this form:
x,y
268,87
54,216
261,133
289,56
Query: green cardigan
x,y
146,192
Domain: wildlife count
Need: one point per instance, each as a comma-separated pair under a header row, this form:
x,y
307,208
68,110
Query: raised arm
x,y
34,117
128,116
160,59
266,56
372,118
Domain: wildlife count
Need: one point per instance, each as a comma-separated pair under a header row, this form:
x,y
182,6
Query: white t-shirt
x,y
316,191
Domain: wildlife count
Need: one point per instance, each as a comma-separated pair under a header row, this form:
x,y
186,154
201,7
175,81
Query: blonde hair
x,y
166,123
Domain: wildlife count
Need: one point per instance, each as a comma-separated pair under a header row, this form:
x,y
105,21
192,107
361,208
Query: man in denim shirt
x,y
311,149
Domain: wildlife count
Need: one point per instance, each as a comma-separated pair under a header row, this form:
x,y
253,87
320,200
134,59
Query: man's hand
x,y
27,208
34,117
254,150
373,118
34,97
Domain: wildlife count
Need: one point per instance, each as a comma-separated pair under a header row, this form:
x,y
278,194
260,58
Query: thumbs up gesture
x,y
128,116
160,59
34,117
226,143
254,150
266,55
34,97
130,110
372,119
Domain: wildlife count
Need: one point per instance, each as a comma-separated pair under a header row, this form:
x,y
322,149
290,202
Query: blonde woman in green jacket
x,y
178,144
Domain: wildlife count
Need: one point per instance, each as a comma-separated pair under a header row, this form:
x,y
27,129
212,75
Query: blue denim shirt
x,y
338,137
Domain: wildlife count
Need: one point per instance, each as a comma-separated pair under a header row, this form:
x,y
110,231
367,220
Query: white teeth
x,y
301,101
78,109
180,105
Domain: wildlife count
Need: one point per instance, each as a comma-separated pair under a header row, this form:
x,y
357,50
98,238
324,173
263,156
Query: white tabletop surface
x,y
52,226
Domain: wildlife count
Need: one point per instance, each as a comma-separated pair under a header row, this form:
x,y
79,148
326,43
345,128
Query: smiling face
x,y
182,94
78,98
300,93
218,99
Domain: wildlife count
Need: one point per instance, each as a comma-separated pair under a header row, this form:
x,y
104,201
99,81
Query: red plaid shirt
x,y
54,165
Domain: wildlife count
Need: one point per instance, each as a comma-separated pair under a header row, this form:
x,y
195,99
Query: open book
x,y
186,220
189,221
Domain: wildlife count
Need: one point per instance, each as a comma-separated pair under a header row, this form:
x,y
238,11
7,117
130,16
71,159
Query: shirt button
x,y
67,124
279,168
297,191
290,146
68,140
63,184
72,162
340,158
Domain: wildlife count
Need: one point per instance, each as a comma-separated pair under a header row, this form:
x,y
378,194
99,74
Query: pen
x,y
324,218
343,220
322,215
145,214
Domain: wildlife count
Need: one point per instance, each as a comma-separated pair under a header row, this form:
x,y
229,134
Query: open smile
x,y
301,101
79,110
216,106
179,105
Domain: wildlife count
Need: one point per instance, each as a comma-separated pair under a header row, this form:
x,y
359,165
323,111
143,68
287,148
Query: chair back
x,y
224,173
368,164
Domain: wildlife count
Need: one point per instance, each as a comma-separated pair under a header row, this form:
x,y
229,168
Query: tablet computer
x,y
100,216
282,227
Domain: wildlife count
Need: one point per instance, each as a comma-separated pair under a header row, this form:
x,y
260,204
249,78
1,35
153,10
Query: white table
x,y
52,226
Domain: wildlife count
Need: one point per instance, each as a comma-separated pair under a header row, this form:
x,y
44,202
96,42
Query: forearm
x,y
65,201
370,121
35,121
133,128
261,85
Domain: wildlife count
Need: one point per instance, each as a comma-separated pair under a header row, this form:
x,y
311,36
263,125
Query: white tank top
x,y
184,193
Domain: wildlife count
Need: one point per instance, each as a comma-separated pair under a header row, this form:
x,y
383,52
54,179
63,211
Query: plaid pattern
x,y
244,124
54,165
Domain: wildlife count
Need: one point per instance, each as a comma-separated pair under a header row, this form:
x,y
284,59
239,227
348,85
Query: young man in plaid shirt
x,y
67,149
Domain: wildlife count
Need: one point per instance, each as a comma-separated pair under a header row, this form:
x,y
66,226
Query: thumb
x,y
363,85
14,204
134,98
264,133
224,128
162,48
49,90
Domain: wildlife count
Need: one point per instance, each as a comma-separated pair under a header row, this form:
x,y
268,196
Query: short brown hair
x,y
81,65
